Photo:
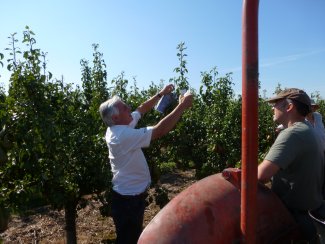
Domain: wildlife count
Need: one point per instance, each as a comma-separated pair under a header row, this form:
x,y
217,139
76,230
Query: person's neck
x,y
295,120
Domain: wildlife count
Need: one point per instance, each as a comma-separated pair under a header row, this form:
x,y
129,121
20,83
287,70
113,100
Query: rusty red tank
x,y
209,212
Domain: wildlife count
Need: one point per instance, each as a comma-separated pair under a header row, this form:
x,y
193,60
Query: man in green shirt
x,y
295,162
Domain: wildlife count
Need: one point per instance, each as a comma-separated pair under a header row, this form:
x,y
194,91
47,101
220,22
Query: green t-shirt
x,y
297,151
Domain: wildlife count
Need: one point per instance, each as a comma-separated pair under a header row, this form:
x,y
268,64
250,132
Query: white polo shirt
x,y
131,175
319,127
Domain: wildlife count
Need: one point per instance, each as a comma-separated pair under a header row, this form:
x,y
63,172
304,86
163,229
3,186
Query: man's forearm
x,y
266,170
168,123
149,104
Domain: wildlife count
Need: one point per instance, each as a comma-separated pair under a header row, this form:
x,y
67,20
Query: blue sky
x,y
140,38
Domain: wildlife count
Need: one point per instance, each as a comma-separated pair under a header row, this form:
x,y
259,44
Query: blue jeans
x,y
127,213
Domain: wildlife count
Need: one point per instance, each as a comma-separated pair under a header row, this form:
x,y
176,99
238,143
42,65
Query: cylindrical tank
x,y
209,212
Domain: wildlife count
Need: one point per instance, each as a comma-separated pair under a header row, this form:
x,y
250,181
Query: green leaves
x,y
55,151
181,81
52,146
1,57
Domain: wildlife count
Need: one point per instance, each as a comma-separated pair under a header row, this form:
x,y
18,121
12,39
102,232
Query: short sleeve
x,y
136,117
136,138
283,151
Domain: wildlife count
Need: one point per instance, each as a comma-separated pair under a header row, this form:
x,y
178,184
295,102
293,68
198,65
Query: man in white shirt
x,y
131,175
316,121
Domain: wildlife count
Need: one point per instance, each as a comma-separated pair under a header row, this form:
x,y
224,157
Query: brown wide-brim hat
x,y
293,94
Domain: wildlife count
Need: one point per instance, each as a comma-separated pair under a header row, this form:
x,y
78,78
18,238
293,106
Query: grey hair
x,y
108,108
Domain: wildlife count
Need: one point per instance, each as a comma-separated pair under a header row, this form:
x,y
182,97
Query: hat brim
x,y
274,99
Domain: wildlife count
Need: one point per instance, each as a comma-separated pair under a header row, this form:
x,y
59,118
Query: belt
x,y
141,195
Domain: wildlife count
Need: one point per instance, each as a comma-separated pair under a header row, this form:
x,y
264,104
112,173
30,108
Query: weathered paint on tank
x,y
209,212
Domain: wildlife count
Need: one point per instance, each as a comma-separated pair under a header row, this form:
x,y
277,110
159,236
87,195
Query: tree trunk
x,y
70,222
4,219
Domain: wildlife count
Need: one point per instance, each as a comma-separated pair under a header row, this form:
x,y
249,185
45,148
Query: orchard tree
x,y
221,120
58,150
1,63
179,141
266,128
181,81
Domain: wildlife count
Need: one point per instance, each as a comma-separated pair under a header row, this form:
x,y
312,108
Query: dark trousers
x,y
307,227
306,223
127,213
324,182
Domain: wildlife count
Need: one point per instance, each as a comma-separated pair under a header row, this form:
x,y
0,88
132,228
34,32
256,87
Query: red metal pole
x,y
249,120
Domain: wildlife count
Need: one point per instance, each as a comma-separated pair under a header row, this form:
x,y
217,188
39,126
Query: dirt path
x,y
46,226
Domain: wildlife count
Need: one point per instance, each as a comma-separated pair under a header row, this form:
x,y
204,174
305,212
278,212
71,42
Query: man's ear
x,y
115,118
290,106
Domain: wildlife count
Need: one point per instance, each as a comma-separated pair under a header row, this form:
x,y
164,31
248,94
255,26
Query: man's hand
x,y
167,89
186,100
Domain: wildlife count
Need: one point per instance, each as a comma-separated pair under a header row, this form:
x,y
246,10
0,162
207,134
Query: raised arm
x,y
149,104
167,123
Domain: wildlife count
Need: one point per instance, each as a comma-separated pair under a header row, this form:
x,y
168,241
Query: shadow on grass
x,y
108,241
